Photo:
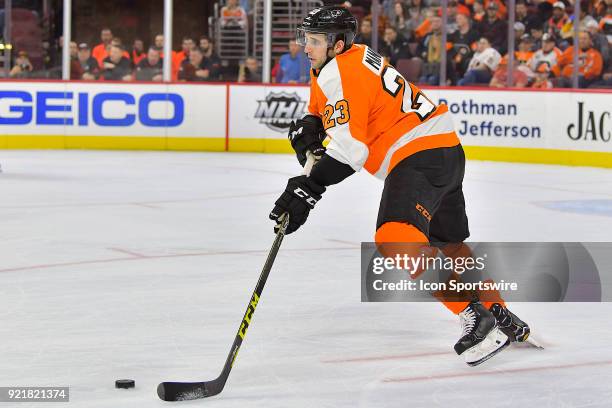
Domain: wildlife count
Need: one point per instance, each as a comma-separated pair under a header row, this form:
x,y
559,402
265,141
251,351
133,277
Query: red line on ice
x,y
505,371
145,257
125,251
390,357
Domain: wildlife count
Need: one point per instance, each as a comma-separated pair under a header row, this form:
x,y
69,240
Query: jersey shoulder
x,y
360,59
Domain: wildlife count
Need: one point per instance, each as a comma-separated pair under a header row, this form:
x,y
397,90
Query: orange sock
x,y
487,298
401,232
400,238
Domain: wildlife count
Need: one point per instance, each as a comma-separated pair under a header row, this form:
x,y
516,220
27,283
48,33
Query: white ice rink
x,y
140,265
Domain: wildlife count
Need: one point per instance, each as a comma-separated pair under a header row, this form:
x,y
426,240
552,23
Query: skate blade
x,y
530,343
495,342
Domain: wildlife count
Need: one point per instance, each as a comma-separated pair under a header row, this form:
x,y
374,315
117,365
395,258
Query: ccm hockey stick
x,y
182,391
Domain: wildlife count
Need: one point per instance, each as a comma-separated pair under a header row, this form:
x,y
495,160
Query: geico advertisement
x,y
265,112
109,109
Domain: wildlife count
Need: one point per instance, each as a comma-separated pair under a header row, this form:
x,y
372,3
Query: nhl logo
x,y
279,109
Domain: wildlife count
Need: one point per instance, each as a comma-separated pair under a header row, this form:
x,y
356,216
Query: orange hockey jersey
x,y
590,63
372,115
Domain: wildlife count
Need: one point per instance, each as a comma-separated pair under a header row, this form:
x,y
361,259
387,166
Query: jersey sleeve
x,y
313,105
344,106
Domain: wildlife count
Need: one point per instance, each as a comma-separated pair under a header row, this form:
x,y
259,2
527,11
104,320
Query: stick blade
x,y
185,391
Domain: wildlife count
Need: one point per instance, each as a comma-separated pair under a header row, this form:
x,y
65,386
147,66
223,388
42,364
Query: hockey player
x,y
377,120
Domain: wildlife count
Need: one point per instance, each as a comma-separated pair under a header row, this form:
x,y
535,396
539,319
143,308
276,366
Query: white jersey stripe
x,y
434,126
343,146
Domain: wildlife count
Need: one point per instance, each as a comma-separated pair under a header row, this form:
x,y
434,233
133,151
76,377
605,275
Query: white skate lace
x,y
468,321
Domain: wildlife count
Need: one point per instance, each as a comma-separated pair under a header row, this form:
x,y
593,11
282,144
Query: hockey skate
x,y
481,338
513,327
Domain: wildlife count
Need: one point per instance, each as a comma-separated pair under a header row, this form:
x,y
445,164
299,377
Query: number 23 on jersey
x,y
412,102
337,114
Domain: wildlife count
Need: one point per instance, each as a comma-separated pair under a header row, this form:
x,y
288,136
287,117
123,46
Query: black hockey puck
x,y
125,384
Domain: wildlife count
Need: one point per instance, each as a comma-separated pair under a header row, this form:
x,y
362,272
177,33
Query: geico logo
x,y
122,109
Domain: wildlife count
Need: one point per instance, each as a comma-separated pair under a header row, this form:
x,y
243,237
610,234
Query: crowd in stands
x,y
409,37
476,50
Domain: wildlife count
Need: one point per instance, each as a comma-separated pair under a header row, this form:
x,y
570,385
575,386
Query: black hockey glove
x,y
307,134
297,200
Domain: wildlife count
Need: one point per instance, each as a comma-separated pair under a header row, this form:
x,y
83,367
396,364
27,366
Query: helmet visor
x,y
313,39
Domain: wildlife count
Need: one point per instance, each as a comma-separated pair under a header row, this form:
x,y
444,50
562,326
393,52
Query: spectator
x,y
567,31
116,41
482,65
559,18
463,41
524,52
502,11
394,46
23,66
590,64
451,14
90,69
73,50
249,71
151,67
158,41
138,53
76,71
186,46
522,16
205,44
500,77
179,57
400,19
365,33
605,81
211,59
600,42
425,27
232,15
541,77
519,30
294,66
99,51
479,13
416,16
494,29
548,54
193,68
544,9
430,50
537,32
585,17
116,66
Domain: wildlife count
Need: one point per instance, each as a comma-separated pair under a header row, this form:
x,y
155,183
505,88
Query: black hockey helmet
x,y
335,21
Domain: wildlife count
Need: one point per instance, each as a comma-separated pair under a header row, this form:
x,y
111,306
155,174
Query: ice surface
x,y
140,265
